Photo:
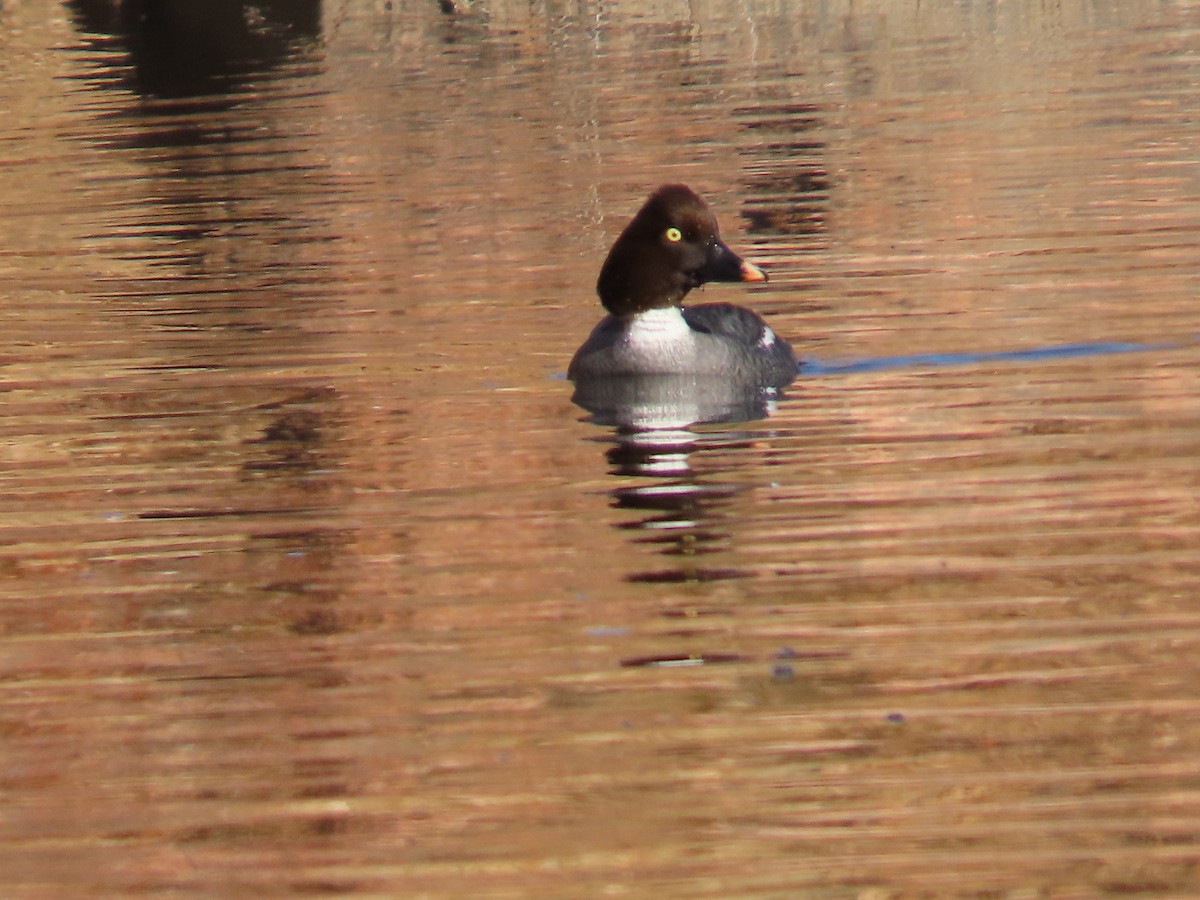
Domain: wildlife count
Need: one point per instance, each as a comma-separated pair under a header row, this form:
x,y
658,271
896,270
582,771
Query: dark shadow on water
x,y
191,48
811,367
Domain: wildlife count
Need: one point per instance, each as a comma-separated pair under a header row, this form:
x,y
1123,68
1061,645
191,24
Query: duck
x,y
672,246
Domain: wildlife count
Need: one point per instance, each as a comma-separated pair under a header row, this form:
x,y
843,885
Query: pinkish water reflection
x,y
315,580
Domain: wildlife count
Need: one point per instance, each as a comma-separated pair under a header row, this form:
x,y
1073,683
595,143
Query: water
x,y
315,581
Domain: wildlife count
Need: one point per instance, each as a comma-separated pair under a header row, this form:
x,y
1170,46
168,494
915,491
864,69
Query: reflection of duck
x,y
671,246
672,401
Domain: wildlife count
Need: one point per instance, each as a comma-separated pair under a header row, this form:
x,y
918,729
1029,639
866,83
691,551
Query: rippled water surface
x,y
314,580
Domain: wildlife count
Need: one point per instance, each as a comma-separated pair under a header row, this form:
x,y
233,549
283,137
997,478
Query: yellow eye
x,y
674,235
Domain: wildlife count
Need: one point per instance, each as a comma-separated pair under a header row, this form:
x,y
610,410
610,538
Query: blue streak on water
x,y
1060,351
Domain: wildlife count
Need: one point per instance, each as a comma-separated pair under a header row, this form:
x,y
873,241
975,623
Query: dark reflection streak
x,y
183,48
689,575
700,542
236,676
789,196
228,513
